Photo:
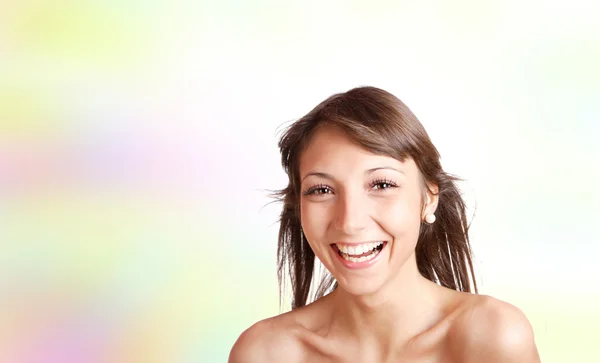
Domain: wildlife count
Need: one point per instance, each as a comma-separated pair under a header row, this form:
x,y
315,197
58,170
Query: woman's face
x,y
360,212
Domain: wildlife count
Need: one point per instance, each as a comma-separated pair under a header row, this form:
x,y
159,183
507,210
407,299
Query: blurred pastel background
x,y
138,145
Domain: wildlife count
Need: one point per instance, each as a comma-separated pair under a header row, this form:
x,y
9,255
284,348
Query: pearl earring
x,y
430,218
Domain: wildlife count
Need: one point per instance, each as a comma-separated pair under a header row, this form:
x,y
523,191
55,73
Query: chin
x,y
360,286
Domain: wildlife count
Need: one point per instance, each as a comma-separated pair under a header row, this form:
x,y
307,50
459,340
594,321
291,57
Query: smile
x,y
358,255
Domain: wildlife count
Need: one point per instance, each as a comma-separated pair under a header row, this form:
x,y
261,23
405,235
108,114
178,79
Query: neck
x,y
401,310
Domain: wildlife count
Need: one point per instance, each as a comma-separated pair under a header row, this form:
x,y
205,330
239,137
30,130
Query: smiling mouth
x,y
359,252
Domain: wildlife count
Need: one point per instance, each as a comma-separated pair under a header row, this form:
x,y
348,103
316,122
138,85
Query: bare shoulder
x,y
269,340
494,331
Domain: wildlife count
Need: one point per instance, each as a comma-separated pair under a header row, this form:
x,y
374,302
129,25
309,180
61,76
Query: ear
x,y
431,200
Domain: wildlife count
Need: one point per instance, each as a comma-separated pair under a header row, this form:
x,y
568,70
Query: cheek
x,y
314,218
400,215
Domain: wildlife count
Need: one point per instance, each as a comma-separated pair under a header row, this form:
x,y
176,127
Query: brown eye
x,y
318,190
383,184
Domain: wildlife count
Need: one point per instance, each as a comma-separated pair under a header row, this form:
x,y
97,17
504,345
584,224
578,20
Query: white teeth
x,y
350,252
358,249
360,259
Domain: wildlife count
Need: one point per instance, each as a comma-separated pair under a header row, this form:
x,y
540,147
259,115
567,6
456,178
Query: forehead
x,y
330,149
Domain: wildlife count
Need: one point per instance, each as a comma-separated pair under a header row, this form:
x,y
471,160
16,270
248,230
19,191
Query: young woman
x,y
368,197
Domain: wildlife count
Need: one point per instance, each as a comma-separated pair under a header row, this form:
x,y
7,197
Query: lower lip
x,y
358,265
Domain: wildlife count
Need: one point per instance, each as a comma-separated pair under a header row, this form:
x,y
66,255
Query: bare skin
x,y
386,312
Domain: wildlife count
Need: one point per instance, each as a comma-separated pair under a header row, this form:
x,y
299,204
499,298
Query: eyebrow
x,y
369,171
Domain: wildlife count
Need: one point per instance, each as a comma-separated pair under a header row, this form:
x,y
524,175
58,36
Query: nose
x,y
351,212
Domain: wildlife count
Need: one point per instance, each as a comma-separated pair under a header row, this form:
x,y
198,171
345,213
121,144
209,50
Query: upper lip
x,y
358,243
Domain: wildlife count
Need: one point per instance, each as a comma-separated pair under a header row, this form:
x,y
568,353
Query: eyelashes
x,y
377,184
388,183
321,188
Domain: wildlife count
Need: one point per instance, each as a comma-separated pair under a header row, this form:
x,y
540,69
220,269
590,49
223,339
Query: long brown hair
x,y
382,124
